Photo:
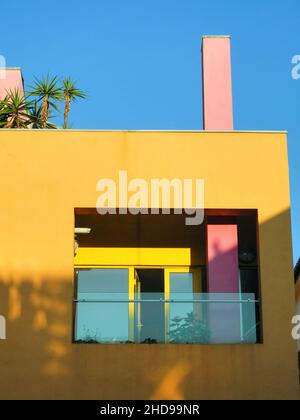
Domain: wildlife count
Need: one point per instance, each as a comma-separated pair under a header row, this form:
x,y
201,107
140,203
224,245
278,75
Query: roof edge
x,y
11,68
151,131
216,36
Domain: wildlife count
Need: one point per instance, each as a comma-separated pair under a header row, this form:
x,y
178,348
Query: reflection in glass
x,y
188,323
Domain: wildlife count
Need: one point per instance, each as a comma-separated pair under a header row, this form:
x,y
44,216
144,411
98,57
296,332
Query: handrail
x,y
163,301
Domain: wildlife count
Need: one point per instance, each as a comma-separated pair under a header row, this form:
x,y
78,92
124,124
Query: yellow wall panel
x,y
133,256
45,175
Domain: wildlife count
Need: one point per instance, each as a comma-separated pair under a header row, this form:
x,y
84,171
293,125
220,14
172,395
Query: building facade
x,y
148,307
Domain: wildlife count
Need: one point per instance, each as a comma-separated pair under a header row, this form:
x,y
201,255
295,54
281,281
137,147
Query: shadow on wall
x,y
38,359
38,319
298,313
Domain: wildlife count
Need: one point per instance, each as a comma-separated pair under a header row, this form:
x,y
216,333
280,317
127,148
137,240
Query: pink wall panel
x,y
217,85
222,253
10,79
223,283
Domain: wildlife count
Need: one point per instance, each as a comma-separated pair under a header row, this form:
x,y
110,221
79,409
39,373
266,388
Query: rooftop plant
x,y
35,108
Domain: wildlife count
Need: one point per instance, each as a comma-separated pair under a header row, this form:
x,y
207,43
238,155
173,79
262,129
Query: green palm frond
x,y
46,87
69,89
47,91
14,110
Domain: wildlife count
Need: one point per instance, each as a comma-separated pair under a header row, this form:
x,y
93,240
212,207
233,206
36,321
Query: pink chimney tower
x,y
222,240
217,84
10,80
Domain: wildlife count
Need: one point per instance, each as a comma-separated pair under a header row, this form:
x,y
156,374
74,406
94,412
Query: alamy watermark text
x,y
138,196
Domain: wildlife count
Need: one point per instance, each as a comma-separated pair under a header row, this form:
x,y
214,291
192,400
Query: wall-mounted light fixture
x,y
79,231
247,256
83,230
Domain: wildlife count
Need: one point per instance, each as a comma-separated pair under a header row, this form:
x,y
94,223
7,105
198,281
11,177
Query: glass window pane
x,y
181,283
102,283
101,322
99,318
186,324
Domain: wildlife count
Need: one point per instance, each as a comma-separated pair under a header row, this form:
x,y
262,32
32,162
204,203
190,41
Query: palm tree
x,y
35,116
47,91
70,93
14,110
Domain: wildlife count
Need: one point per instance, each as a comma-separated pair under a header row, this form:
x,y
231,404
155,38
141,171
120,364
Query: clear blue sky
x,y
140,62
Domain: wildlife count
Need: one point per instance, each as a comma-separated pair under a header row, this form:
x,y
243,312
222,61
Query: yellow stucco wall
x,y
44,175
